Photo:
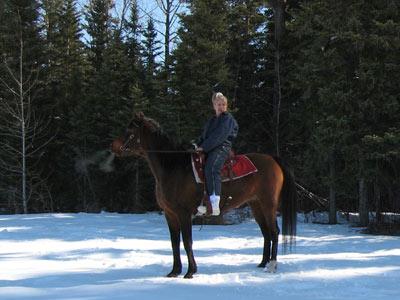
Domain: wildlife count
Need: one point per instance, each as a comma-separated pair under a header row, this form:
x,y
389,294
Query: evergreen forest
x,y
315,82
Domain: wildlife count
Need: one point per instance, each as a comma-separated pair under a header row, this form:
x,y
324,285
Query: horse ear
x,y
139,115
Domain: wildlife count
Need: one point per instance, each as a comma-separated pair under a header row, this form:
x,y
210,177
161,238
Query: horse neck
x,y
156,160
155,166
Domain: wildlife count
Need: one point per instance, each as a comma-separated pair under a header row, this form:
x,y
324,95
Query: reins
x,y
169,151
162,151
125,147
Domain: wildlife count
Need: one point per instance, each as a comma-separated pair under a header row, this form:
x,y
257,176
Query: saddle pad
x,y
241,166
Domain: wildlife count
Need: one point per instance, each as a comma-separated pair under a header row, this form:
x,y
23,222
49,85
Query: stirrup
x,y
201,210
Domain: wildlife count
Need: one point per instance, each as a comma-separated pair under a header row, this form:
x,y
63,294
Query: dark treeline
x,y
315,82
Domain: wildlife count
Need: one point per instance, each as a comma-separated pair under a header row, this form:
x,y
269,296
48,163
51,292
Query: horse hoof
x,y
271,267
173,274
262,265
188,276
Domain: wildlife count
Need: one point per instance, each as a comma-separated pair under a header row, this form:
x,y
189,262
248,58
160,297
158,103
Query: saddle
x,y
235,167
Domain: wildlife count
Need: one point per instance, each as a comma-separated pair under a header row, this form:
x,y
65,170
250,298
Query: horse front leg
x,y
186,227
174,231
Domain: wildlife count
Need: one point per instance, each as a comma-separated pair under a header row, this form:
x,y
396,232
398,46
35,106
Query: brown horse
x,y
177,193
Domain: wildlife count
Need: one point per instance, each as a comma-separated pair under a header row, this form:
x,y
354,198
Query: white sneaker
x,y
215,211
214,199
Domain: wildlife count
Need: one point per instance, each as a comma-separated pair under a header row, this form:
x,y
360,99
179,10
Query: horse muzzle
x,y
118,147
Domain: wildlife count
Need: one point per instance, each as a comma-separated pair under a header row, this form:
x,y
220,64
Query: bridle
x,y
125,147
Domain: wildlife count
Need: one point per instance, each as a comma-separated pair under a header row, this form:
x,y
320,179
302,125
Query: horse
x,y
271,188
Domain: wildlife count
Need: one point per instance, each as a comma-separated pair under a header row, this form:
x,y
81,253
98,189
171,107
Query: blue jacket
x,y
221,130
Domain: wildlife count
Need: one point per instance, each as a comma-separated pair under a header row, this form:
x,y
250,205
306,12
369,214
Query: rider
x,y
216,141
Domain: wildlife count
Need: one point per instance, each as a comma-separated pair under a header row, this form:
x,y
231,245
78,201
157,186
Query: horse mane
x,y
151,124
163,139
169,160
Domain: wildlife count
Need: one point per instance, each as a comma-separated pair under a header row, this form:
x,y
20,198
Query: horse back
x,y
267,166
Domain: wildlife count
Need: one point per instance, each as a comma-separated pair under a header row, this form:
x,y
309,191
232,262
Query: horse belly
x,y
236,193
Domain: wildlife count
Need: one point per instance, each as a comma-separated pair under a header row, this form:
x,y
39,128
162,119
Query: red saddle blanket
x,y
234,167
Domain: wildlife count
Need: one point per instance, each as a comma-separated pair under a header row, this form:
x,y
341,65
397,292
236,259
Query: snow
x,y
126,256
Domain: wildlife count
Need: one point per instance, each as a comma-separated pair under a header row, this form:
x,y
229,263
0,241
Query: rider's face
x,y
220,106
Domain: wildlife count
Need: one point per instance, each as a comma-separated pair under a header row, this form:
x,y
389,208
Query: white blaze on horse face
x,y
220,106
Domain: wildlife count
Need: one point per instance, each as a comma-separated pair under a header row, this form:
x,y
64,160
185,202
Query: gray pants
x,y
214,162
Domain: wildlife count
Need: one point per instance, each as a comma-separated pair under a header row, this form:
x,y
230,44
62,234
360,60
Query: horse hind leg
x,y
260,219
265,216
272,265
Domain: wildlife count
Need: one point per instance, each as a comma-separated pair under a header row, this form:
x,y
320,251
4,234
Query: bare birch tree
x,y
167,27
22,132
170,9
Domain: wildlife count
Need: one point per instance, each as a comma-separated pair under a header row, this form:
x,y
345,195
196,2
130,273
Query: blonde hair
x,y
218,97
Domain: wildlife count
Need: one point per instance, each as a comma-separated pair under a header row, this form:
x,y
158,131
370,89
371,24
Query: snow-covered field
x,y
123,256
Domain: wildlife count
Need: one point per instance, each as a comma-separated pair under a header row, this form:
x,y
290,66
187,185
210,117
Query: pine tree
x,y
90,117
248,65
64,55
113,90
326,67
380,106
200,63
151,50
133,30
339,67
98,18
65,91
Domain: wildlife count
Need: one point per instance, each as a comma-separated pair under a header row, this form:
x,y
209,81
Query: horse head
x,y
131,143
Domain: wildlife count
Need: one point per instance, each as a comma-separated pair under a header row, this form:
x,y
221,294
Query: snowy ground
x,y
115,256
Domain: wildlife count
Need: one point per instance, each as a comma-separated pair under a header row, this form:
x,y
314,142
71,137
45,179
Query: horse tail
x,y
288,204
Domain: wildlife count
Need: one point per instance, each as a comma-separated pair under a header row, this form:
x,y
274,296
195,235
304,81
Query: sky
x,y
147,8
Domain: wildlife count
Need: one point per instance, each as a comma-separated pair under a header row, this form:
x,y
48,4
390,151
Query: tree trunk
x,y
394,198
170,10
167,41
332,190
378,203
137,198
279,23
363,203
22,120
